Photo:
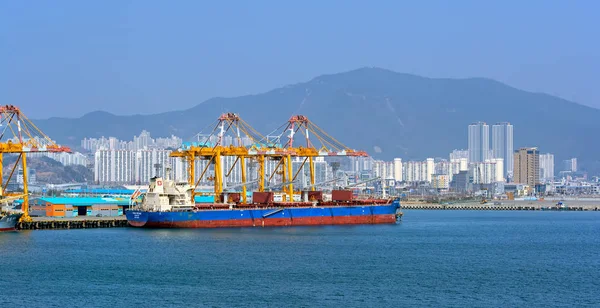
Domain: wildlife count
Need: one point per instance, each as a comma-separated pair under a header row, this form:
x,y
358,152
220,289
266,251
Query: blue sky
x,y
67,58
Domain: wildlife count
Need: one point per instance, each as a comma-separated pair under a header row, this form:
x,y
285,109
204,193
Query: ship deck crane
x,y
20,136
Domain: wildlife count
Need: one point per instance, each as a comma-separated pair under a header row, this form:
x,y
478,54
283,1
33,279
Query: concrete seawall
x,y
49,223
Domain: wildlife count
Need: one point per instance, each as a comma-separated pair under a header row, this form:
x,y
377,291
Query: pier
x,y
50,223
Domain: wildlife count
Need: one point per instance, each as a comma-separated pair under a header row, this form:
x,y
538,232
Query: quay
x,y
49,223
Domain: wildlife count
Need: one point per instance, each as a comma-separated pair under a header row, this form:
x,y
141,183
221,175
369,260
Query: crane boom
x,y
26,138
363,182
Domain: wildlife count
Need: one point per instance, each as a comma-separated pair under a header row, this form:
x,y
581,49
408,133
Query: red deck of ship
x,y
364,202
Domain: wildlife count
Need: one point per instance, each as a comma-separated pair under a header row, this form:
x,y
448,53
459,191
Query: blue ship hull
x,y
8,222
266,217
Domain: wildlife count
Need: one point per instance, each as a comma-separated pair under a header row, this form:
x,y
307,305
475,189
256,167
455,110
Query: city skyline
x,y
138,155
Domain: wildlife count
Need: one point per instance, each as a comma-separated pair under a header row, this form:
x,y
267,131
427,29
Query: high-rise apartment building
x,y
148,162
570,165
398,169
502,145
479,142
487,172
114,166
384,169
527,166
418,171
546,168
322,171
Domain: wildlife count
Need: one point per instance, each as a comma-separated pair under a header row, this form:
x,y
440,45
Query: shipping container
x,y
262,197
231,198
315,196
341,195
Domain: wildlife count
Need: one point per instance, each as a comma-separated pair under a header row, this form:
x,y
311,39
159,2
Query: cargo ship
x,y
168,204
9,220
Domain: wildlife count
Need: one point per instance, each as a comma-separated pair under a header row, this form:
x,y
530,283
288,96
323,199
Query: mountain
x,y
388,114
48,170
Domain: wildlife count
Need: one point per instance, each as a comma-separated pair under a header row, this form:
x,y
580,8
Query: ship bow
x,y
137,218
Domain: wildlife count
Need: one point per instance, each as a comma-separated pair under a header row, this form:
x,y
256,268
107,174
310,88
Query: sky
x,y
67,58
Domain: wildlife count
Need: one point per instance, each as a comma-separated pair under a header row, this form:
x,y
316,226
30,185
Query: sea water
x,y
431,258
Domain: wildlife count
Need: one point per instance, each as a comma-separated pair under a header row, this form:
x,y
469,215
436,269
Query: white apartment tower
x,y
114,166
479,142
398,169
502,145
546,168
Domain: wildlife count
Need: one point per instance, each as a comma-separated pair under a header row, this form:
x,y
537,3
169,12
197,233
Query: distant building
x,y
147,162
570,165
418,171
322,171
546,168
141,142
114,166
383,169
527,166
440,181
430,164
460,182
398,169
361,164
487,172
31,177
458,154
67,159
502,145
479,142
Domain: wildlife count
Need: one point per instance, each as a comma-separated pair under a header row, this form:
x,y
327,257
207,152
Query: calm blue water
x,y
431,258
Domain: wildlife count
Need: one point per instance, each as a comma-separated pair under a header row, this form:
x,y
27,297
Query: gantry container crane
x,y
227,122
324,145
261,149
20,136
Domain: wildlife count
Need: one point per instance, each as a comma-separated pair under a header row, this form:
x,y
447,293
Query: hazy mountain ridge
x,y
48,170
386,113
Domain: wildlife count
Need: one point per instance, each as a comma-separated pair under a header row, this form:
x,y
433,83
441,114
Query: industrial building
x,y
73,207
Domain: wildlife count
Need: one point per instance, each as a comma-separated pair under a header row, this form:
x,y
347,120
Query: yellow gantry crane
x,y
262,150
226,123
18,135
324,145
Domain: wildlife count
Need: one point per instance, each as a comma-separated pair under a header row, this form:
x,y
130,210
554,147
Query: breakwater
x,y
49,223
